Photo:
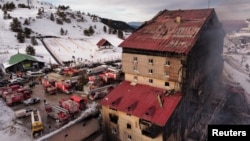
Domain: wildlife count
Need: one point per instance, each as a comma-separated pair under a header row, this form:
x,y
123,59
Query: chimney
x,y
178,19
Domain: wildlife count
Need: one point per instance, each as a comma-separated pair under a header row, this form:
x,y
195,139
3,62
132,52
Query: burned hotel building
x,y
167,62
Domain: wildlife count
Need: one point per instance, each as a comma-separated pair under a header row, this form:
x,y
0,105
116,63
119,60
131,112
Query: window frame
x,y
150,71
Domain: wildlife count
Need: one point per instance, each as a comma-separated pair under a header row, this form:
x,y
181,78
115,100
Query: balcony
x,y
149,129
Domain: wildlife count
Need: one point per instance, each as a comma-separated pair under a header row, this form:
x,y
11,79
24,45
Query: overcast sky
x,y
143,10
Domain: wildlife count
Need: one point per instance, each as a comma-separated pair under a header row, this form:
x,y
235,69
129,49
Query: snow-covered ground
x,y
84,50
237,61
75,43
10,129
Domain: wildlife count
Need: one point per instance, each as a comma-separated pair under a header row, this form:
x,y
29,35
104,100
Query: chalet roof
x,y
142,101
19,57
103,42
170,31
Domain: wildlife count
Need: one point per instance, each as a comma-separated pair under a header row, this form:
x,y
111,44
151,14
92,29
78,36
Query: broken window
x,y
113,118
128,126
149,129
167,84
150,80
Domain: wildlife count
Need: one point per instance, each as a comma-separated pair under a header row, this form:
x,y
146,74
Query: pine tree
x,y
62,31
110,30
86,32
52,18
34,41
27,32
16,25
114,31
105,29
91,30
30,50
20,37
120,34
26,22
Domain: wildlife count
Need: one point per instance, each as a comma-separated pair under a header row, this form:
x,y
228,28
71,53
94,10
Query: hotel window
x,y
128,126
150,80
135,78
135,59
167,63
129,137
135,68
166,74
113,118
150,71
150,61
167,84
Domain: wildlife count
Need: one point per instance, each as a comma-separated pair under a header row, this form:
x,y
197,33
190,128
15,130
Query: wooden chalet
x,y
103,43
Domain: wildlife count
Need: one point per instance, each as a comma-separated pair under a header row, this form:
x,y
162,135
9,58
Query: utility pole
x,y
208,4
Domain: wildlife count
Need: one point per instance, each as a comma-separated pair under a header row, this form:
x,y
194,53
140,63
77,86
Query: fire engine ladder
x,y
58,108
101,88
36,115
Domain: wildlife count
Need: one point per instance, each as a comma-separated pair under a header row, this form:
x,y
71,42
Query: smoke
x,y
233,10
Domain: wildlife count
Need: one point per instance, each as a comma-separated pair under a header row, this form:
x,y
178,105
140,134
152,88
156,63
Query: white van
x,y
23,113
35,73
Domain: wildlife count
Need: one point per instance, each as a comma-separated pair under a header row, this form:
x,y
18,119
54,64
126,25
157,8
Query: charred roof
x,y
170,31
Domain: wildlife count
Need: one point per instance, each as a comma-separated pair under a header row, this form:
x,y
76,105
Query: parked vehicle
x,y
4,82
57,112
70,105
97,69
35,73
50,89
70,72
36,123
31,101
64,86
14,99
17,89
74,105
97,95
49,86
23,113
17,79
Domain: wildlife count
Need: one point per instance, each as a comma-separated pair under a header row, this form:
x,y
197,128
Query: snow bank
x,y
10,130
91,110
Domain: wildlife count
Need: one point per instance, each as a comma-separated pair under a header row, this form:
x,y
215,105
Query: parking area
x,y
49,123
63,83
